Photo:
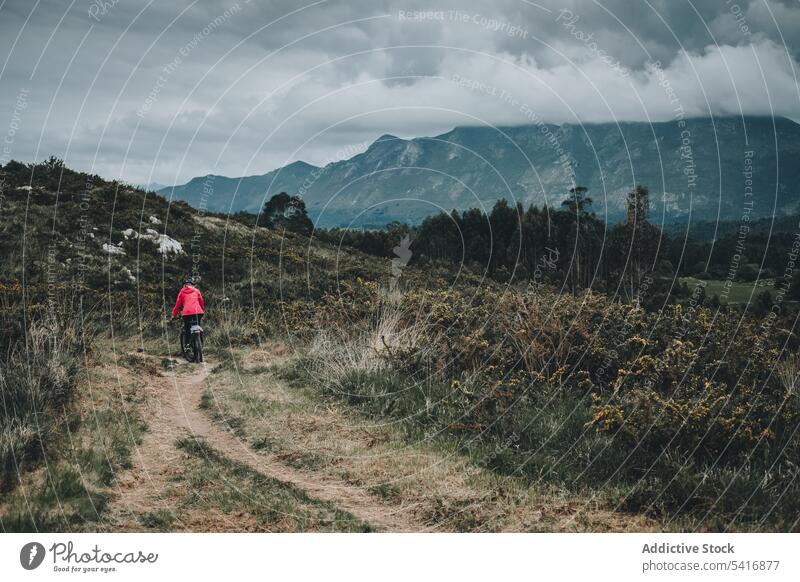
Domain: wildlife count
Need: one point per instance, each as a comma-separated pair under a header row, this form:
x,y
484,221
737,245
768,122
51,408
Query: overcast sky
x,y
164,91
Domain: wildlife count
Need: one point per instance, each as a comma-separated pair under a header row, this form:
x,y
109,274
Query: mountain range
x,y
719,168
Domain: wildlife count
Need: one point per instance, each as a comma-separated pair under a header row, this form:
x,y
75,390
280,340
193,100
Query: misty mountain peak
x,y
693,169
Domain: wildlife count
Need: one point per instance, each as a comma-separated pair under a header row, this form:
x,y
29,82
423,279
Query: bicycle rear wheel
x,y
185,348
197,347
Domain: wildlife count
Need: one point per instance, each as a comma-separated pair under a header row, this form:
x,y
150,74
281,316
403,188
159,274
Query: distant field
x,y
737,293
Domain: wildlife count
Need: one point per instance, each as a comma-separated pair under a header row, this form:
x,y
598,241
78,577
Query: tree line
x,y
567,246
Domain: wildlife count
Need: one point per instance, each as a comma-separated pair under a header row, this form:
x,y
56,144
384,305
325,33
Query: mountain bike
x,y
192,347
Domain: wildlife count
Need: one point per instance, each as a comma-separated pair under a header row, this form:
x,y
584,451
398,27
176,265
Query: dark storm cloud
x,y
164,91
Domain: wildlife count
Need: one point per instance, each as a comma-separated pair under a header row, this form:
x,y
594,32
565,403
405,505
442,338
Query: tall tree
x,y
287,212
504,221
578,201
635,243
638,205
580,235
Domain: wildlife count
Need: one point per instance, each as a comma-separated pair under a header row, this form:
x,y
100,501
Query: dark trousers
x,y
188,322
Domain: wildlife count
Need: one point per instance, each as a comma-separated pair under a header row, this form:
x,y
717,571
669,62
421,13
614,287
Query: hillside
x,y
347,392
92,240
693,172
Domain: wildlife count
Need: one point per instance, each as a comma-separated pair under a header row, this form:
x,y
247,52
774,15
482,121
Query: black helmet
x,y
188,281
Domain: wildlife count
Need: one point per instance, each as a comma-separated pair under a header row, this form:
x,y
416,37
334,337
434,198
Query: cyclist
x,y
191,306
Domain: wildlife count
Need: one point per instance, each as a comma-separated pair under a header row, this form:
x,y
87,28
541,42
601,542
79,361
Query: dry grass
x,y
232,325
36,383
70,489
440,487
393,330
788,371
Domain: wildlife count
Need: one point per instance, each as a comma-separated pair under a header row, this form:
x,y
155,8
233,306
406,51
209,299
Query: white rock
x,y
154,220
130,275
167,245
113,249
26,188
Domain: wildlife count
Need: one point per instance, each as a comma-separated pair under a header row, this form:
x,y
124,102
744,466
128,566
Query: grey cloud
x,y
245,97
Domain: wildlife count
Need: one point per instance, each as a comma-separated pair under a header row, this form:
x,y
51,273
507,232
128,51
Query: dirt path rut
x,y
173,411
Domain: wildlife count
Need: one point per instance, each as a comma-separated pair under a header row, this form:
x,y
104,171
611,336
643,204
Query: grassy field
x,y
76,475
78,486
733,292
267,399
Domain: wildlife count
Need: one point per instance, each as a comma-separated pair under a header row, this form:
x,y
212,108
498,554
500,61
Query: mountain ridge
x,y
694,170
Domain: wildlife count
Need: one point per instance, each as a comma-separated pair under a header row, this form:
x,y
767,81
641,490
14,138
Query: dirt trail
x,y
173,411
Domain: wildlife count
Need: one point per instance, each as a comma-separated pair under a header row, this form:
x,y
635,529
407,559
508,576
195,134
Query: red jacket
x,y
190,301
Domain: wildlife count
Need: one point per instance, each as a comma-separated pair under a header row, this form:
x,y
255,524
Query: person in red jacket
x,y
191,306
